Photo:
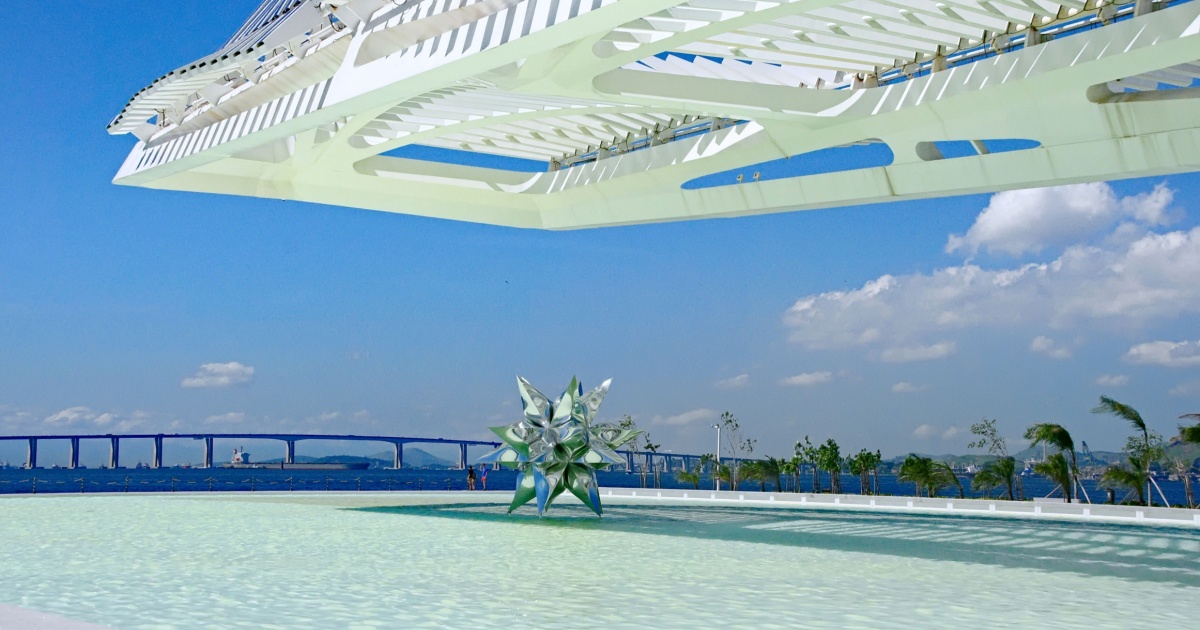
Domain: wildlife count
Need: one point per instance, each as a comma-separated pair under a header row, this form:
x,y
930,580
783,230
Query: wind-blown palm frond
x,y
1053,434
1121,410
996,474
947,477
1057,470
915,469
1133,478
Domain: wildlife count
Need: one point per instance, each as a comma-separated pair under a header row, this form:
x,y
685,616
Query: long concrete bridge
x,y
668,460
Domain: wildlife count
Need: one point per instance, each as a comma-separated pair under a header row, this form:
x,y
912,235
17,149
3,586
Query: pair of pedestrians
x,y
471,477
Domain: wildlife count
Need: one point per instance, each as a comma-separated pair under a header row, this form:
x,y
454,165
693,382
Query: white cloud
x,y
108,420
1185,389
1022,221
219,375
741,380
905,387
1166,353
807,379
1122,283
1112,380
951,433
909,354
925,431
687,417
234,417
1045,345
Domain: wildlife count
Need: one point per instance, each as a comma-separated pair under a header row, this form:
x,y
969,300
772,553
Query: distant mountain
x,y
417,458
413,458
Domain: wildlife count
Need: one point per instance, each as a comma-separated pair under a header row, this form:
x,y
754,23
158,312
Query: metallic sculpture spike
x,y
557,448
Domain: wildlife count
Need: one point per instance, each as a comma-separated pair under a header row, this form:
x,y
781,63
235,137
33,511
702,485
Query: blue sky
x,y
112,298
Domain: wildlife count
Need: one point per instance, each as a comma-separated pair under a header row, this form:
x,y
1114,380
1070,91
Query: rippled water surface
x,y
334,561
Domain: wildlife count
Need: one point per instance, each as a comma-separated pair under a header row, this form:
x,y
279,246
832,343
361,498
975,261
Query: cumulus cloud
x,y
1123,283
741,380
1022,221
1112,380
905,387
927,431
909,354
1185,389
233,417
219,375
685,418
807,379
1166,353
1045,345
108,420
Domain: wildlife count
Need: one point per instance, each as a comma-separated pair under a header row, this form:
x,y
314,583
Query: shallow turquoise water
x,y
383,561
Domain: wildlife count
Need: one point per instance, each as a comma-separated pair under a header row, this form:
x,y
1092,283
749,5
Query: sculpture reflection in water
x,y
556,447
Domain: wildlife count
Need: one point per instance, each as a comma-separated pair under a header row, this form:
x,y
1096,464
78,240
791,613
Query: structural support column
x,y
629,462
208,452
114,453
398,455
158,455
74,453
290,458
462,456
31,460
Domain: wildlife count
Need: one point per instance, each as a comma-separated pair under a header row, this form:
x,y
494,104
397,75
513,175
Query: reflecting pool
x,y
416,561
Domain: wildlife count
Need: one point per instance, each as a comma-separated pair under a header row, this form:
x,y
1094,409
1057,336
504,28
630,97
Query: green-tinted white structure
x,y
627,106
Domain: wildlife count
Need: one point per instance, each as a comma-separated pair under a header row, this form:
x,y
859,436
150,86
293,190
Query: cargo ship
x,y
241,459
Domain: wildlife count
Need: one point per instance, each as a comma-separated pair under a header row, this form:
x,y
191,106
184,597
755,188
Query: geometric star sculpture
x,y
556,447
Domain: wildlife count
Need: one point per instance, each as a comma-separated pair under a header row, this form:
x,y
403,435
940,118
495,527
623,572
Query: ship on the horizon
x,y
241,459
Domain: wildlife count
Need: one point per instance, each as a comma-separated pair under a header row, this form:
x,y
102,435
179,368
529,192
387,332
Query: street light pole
x,y
717,467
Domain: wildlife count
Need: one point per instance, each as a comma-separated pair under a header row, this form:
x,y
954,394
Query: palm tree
x,y
829,458
689,476
996,473
1057,436
1135,477
1125,412
917,470
946,473
772,468
1129,414
752,470
857,465
791,468
1057,469
808,455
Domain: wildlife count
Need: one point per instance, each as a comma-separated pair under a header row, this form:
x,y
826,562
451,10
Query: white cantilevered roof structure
x,y
562,114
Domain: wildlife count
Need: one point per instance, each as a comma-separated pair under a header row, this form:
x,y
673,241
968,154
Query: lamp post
x,y
717,466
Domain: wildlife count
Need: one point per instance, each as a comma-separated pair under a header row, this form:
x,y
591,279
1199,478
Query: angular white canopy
x,y
627,108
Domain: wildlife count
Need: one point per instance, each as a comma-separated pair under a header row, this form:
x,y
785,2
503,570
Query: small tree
x,y
999,472
807,454
737,445
829,458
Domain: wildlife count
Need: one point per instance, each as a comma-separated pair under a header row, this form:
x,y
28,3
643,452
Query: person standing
x,y
470,477
483,475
